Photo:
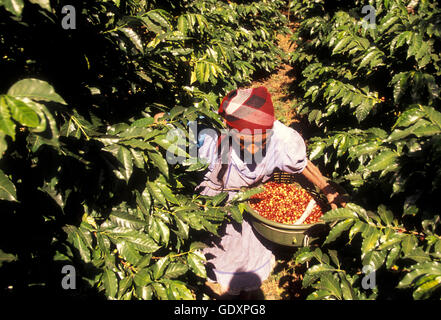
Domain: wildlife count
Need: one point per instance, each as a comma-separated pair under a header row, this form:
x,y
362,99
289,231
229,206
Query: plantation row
x,y
84,177
373,96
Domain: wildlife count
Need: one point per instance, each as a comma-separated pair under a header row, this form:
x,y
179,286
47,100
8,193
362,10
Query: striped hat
x,y
248,109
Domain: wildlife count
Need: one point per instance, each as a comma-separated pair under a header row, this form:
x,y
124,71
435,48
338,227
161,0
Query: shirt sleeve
x,y
290,150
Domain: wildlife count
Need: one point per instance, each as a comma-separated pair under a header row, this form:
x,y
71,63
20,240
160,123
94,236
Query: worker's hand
x,y
334,197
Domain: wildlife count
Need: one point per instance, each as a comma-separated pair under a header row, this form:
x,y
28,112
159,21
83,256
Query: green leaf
x,y
128,252
314,272
339,214
153,230
398,134
363,109
161,183
164,231
78,241
141,241
330,283
246,194
236,214
110,282
426,286
409,117
433,115
47,131
183,228
182,24
219,198
342,43
144,293
401,83
374,258
6,257
159,161
144,261
134,38
35,89
197,245
196,262
319,295
6,124
408,244
13,6
393,255
124,156
422,129
156,192
392,241
346,288
7,188
160,290
333,254
303,257
358,227
21,112
418,270
314,116
385,215
338,229
177,290
3,144
370,240
138,158
144,201
45,4
370,57
144,243
316,150
418,255
382,160
124,285
175,269
126,220
363,149
159,267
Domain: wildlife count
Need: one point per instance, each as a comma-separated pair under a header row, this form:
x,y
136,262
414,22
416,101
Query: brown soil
x,y
278,84
285,282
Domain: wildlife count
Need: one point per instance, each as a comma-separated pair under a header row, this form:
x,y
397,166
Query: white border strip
x,y
306,213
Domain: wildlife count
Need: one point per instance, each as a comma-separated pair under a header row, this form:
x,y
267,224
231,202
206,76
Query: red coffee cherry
x,y
284,203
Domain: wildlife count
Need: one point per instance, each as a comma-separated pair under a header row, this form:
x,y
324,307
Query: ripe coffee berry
x,y
284,203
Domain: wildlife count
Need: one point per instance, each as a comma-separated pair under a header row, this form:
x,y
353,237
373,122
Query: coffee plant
x,y
84,176
372,94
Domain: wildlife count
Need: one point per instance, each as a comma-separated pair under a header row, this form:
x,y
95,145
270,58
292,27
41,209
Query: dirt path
x,y
278,84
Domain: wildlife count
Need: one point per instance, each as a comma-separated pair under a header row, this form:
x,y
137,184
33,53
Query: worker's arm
x,y
313,174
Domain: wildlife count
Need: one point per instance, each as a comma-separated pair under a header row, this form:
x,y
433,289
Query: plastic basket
x,y
287,234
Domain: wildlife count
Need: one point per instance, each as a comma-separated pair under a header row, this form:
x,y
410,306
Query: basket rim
x,y
279,225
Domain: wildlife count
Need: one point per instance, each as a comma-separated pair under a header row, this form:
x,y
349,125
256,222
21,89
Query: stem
x,y
176,255
79,126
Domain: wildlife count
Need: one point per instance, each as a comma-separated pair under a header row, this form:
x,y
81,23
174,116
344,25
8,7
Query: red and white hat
x,y
248,109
